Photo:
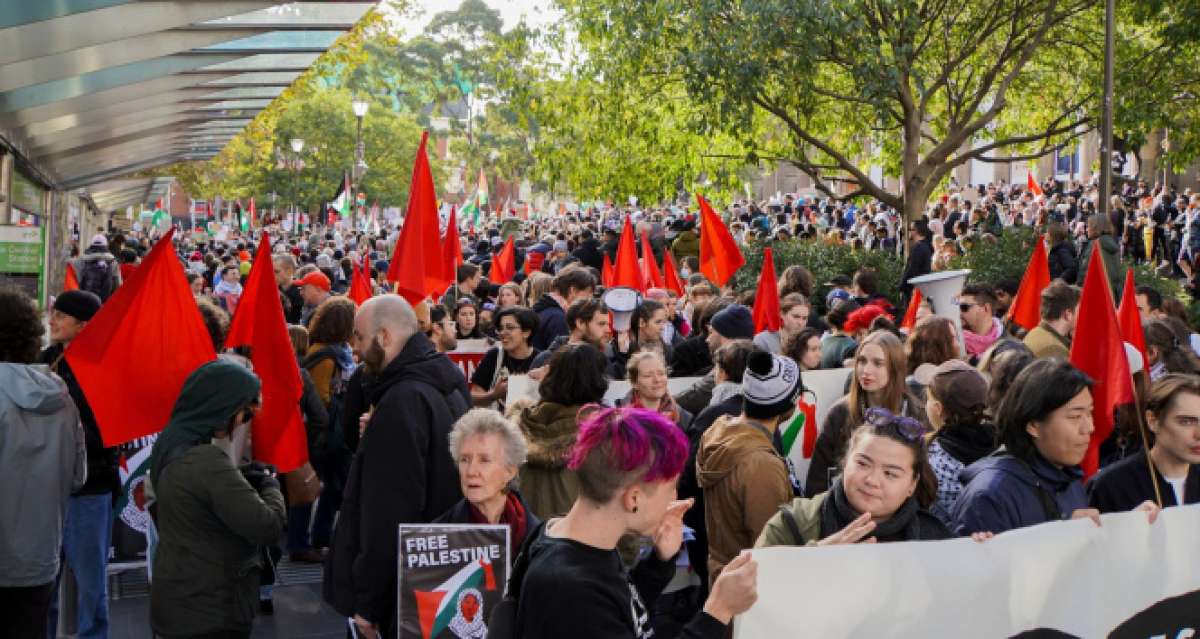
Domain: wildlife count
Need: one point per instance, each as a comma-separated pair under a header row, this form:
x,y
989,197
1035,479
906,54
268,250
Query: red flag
x,y
70,281
626,271
132,358
279,436
1026,309
1130,319
1032,184
767,316
253,214
720,256
504,264
1098,350
416,266
671,275
910,315
651,276
606,273
452,254
360,289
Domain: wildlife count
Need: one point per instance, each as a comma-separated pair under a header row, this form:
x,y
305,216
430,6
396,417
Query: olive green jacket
x,y
210,523
807,513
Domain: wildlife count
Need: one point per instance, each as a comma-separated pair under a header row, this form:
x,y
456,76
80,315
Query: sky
x,y
536,12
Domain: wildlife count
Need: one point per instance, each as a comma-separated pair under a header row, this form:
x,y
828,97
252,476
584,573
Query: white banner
x,y
1124,579
521,386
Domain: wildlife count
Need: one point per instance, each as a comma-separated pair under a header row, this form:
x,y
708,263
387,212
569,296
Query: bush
x,y
824,262
992,259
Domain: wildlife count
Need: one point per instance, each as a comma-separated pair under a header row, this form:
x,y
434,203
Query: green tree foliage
x,y
919,87
824,262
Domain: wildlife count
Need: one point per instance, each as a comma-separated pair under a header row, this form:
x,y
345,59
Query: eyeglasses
x,y
907,427
964,307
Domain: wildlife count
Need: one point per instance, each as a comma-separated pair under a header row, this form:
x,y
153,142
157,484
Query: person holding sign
x,y
1173,413
490,451
512,356
570,581
882,494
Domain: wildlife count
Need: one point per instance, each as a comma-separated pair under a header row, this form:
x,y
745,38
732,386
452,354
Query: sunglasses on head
x,y
882,419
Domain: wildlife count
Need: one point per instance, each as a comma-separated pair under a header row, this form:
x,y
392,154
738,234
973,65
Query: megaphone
x,y
942,290
622,301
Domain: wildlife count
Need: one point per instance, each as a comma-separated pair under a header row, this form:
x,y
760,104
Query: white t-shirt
x,y
1177,485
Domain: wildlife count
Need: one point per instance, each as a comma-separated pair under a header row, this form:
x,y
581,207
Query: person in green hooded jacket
x,y
211,515
1100,234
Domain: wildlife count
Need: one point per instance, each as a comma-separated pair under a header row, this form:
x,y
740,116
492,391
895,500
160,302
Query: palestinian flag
x,y
160,214
457,601
131,502
803,426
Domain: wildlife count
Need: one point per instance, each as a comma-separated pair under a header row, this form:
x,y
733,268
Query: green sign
x,y
26,195
21,257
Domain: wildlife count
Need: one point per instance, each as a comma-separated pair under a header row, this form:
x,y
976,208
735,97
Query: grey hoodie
x,y
42,461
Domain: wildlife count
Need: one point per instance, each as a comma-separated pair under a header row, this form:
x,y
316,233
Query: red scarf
x,y
666,406
513,515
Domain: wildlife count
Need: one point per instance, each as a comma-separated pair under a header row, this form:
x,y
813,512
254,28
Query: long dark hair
x,y
575,377
1042,388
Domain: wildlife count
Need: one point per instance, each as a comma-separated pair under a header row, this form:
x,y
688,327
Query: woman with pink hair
x,y
569,580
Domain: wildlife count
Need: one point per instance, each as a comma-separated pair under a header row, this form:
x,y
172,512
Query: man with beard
x,y
402,471
588,319
441,329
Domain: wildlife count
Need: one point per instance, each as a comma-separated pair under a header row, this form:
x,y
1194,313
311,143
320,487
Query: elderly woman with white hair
x,y
489,450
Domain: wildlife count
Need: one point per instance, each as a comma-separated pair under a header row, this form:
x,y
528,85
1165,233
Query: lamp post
x,y
360,106
297,148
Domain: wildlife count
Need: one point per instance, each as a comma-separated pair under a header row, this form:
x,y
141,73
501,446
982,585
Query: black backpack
x,y
335,442
97,278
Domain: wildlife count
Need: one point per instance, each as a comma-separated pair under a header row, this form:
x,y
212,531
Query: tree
x,y
921,86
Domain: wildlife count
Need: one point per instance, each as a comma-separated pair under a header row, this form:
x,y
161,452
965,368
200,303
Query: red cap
x,y
316,278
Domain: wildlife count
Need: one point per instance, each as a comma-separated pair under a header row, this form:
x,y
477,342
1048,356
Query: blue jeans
x,y
333,479
298,518
87,536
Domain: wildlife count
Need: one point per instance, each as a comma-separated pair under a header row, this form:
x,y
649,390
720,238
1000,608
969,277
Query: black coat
x,y
691,357
402,473
920,262
690,487
589,254
1126,484
1063,263
102,475
460,513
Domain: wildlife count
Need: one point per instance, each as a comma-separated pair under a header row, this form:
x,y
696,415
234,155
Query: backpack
x,y
97,278
337,390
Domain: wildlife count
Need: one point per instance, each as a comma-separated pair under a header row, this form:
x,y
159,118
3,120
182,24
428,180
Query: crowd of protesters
x,y
929,442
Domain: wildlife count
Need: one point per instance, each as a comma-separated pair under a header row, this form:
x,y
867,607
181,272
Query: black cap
x,y
81,305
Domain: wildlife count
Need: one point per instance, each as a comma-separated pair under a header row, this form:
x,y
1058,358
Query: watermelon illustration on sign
x,y
457,604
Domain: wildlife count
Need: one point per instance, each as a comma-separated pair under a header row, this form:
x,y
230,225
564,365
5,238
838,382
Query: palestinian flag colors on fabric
x,y
451,576
131,503
801,431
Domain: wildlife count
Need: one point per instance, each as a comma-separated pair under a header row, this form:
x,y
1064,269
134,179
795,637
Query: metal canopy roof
x,y
91,90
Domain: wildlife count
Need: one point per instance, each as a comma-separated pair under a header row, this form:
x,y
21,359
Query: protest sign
x,y
799,434
1124,579
450,577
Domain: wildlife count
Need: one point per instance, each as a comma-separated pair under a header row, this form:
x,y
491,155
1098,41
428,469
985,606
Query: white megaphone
x,y
622,301
942,290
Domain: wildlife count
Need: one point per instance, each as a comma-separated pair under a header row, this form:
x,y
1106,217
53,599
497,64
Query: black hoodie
x,y
402,473
589,253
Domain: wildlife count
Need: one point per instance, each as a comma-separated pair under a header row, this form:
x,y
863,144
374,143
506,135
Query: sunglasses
x,y
964,307
882,419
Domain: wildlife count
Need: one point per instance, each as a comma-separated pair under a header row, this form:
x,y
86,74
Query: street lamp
x,y
360,106
297,148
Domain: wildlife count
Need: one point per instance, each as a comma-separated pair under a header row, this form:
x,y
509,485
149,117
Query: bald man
x,y
402,472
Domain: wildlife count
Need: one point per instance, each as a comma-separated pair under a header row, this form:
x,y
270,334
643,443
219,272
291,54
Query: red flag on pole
x,y
360,289
720,256
452,254
70,281
1130,319
767,316
671,275
910,315
1098,350
504,264
1026,309
651,276
132,358
626,271
606,273
279,436
416,266
1032,184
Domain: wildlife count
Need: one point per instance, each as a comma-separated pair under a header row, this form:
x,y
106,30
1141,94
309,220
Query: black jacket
x,y
1063,263
460,513
402,473
920,262
589,254
293,304
691,357
1126,484
690,487
102,475
552,322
